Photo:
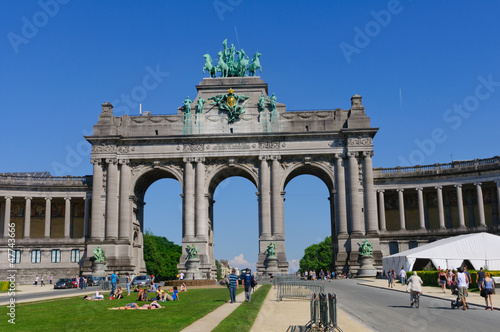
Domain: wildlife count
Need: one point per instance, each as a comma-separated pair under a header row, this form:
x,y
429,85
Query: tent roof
x,y
467,246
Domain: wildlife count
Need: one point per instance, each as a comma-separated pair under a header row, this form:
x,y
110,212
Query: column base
x,y
373,232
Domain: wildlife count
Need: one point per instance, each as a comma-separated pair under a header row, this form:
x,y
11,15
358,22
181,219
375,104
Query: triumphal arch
x,y
233,127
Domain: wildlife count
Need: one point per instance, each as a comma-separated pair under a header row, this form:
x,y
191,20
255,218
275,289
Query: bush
x,y
4,286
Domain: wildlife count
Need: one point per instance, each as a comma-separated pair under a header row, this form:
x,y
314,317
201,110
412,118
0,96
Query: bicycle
x,y
416,300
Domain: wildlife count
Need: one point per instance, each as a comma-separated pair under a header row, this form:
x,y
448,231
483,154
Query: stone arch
x,y
222,172
319,170
146,176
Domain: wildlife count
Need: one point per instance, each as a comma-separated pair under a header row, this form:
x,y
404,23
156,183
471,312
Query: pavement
x,y
286,315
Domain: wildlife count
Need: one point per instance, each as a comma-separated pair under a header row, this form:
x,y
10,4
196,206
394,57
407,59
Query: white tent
x,y
481,249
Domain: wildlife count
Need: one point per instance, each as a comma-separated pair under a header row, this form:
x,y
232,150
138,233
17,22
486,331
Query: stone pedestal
x,y
193,269
272,265
99,269
366,268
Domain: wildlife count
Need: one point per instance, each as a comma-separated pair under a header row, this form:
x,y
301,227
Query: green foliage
x,y
4,286
219,269
317,256
161,256
243,317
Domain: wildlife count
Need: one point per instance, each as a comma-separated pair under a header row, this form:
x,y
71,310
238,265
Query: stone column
x,y
402,221
370,197
381,210
264,199
188,201
355,207
112,200
421,216
276,199
6,217
67,216
27,218
460,205
440,207
48,214
97,228
340,197
201,202
480,205
86,216
125,211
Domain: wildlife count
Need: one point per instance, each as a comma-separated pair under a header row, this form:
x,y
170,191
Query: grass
x,y
244,316
74,314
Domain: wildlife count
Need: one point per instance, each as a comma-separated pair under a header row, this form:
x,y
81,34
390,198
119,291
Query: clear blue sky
x,y
422,68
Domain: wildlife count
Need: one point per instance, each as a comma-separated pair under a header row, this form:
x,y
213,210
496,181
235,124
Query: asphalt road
x,y
50,292
385,310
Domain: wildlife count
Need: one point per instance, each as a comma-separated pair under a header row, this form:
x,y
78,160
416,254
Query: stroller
x,y
456,303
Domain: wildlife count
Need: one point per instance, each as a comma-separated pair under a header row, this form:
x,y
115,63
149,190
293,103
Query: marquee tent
x,y
480,249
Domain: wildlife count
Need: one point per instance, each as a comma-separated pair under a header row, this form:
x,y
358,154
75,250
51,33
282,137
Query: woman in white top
x,y
414,286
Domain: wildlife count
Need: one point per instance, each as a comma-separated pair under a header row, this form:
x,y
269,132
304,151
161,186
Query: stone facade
x,y
392,208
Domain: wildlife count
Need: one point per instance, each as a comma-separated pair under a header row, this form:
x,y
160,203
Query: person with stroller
x,y
462,281
414,286
489,287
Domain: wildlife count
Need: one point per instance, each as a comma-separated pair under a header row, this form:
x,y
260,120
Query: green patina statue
x,y
272,101
231,103
192,252
262,103
187,105
366,248
212,70
271,250
232,63
201,102
99,255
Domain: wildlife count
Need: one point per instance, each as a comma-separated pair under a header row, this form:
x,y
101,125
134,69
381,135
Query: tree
x,y
161,256
317,256
219,270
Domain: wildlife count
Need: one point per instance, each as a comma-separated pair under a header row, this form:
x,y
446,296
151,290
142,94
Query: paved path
x,y
210,321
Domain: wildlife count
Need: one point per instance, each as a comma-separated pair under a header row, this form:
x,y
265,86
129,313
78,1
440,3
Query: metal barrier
x,y
284,278
298,289
323,313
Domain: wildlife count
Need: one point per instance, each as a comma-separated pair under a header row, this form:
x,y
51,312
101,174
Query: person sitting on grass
x,y
184,287
136,289
175,295
143,296
160,294
118,293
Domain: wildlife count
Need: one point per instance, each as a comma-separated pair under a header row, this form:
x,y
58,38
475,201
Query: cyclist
x,y
414,286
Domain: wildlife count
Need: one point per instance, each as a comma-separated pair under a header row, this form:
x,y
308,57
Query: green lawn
x,y
243,317
74,314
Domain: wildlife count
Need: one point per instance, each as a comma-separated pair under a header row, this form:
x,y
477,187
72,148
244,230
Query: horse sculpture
x,y
254,65
212,70
242,63
222,66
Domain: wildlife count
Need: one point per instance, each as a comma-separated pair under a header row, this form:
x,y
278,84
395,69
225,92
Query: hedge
x,y
4,286
430,277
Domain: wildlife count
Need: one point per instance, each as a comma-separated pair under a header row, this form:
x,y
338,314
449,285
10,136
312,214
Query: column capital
x,y
367,154
381,190
8,197
352,154
48,198
189,159
265,158
67,198
276,157
96,161
28,197
199,159
339,155
400,190
113,161
124,162
419,189
438,187
458,185
478,184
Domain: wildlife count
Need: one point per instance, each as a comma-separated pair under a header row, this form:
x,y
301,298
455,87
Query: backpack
x,y
253,282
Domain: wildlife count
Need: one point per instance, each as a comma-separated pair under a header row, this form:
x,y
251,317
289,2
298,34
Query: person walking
x,y
51,278
489,287
390,277
233,285
442,280
462,284
36,280
414,286
41,281
402,276
113,282
129,280
247,282
480,278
